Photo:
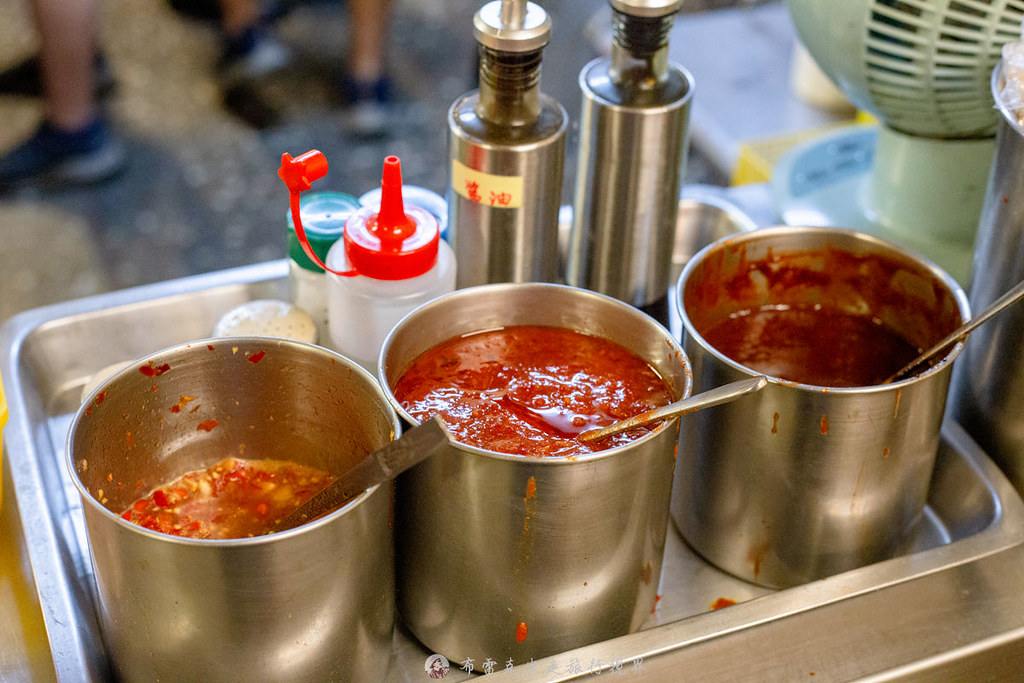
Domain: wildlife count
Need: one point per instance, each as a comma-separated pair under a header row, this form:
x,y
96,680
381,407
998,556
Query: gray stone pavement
x,y
201,190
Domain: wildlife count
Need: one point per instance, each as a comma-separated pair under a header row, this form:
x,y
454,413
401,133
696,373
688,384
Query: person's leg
x,y
67,31
238,15
73,143
365,84
250,49
371,20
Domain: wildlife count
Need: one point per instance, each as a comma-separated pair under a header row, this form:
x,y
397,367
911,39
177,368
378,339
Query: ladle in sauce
x,y
706,399
961,332
384,464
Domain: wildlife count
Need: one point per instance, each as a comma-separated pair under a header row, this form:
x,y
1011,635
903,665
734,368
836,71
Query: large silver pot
x,y
313,603
798,482
507,557
988,384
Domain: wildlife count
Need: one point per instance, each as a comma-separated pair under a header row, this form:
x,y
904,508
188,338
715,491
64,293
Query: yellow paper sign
x,y
502,191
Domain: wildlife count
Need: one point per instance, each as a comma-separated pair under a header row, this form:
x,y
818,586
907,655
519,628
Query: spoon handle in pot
x,y
705,399
1010,297
412,447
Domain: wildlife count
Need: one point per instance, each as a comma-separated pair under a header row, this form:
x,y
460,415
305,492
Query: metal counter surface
x,y
951,606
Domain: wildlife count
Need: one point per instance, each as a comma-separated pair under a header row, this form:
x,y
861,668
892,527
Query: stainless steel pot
x,y
702,219
799,482
313,603
988,383
507,557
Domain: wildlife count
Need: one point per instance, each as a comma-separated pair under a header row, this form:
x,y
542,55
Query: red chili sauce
x,y
824,316
530,390
233,499
812,345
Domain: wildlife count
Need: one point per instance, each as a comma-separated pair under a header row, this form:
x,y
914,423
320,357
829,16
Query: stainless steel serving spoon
x,y
420,442
384,464
1011,297
705,399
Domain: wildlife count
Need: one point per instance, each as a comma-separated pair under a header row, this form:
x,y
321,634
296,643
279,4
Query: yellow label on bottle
x,y
503,191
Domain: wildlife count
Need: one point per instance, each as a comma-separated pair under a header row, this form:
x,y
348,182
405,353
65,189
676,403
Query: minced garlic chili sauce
x,y
234,498
530,390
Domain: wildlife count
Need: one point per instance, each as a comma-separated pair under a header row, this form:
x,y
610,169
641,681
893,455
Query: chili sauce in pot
x,y
531,389
823,317
812,345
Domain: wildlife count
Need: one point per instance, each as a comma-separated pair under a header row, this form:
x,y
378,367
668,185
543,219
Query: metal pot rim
x,y
938,273
309,527
543,461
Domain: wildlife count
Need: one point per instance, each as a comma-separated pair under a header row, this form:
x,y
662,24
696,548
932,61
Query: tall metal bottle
x,y
507,152
632,152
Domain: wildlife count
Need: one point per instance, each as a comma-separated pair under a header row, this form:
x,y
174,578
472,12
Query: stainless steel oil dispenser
x,y
632,152
506,151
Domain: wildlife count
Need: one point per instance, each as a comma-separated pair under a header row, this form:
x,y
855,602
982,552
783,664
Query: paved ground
x,y
201,191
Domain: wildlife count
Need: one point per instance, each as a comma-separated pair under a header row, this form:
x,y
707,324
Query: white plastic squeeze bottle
x,y
388,262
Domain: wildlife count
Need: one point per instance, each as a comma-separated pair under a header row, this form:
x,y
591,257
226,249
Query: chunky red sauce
x,y
530,390
812,345
233,499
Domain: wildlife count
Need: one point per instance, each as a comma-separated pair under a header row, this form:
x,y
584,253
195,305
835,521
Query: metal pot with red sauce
x,y
824,317
828,469
531,389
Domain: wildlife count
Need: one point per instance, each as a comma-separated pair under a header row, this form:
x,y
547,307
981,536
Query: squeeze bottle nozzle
x,y
392,225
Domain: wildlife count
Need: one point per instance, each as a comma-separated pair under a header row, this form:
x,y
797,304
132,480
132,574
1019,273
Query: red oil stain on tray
x,y
722,602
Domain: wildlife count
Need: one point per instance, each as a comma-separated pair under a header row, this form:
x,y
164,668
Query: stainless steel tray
x,y
968,546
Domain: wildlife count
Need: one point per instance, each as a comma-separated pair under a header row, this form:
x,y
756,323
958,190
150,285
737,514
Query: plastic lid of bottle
x,y
396,242
323,215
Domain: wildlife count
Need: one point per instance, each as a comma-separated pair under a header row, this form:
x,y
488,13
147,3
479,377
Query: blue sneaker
x,y
54,157
252,54
368,105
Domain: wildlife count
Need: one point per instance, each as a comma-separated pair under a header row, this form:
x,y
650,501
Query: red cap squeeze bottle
x,y
392,243
389,261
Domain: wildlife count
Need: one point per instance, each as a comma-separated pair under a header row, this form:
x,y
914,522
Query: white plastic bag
x,y
1012,92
